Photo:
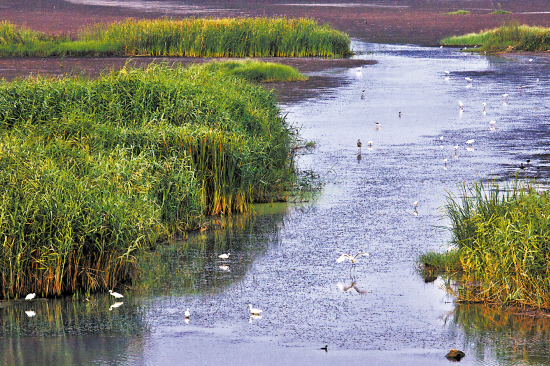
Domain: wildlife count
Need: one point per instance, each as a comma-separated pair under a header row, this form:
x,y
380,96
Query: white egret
x,y
470,142
441,138
254,311
483,104
456,147
115,305
492,122
187,313
224,256
115,294
530,60
415,203
30,313
460,104
30,296
343,257
447,72
468,79
505,95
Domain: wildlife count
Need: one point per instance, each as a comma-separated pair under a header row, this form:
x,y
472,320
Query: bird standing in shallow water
x,y
115,294
359,144
224,256
30,296
353,259
254,311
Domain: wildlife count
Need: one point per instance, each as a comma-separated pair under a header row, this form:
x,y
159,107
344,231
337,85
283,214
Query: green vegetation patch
x,y
501,12
507,37
458,12
94,170
503,244
229,37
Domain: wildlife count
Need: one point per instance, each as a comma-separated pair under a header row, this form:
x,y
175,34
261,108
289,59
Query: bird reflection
x,y
358,158
224,268
30,313
352,287
254,317
115,305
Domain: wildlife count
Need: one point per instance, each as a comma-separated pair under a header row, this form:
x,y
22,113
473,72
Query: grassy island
x,y
505,38
230,37
93,170
501,245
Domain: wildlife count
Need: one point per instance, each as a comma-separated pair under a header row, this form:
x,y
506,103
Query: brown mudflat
x,y
391,21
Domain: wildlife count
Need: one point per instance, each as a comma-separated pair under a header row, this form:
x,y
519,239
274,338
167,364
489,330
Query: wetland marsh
x,y
283,257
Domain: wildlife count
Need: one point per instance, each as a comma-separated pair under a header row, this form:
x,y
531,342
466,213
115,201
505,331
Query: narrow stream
x,y
283,258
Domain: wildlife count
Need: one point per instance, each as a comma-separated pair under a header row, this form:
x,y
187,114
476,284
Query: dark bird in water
x,y
325,348
359,144
363,94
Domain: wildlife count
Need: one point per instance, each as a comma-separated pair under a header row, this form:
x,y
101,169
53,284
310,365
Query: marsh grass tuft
x,y
503,243
93,171
507,37
458,12
228,37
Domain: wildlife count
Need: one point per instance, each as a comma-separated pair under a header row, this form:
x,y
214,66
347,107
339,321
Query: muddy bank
x,y
393,21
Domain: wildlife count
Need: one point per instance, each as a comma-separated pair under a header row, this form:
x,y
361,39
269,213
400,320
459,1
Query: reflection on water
x,y
193,266
512,337
171,7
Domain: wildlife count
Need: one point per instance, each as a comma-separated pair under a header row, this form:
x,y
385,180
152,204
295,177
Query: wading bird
x,y
447,72
30,296
483,104
224,256
378,125
30,313
370,144
468,79
456,147
187,313
353,259
115,294
359,144
363,94
460,104
224,268
254,311
445,162
470,142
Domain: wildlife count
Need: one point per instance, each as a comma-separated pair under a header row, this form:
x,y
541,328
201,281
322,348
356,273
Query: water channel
x,y
283,257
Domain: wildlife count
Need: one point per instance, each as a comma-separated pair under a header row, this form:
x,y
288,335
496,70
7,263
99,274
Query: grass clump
x,y
229,37
506,38
258,71
95,170
503,243
500,11
458,12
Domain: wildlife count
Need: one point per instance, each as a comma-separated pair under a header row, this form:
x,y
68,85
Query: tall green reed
x,y
503,241
95,170
228,37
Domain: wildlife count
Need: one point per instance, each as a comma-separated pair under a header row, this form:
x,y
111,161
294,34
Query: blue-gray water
x,y
283,258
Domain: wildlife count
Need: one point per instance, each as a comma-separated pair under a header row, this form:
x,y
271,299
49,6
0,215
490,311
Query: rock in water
x,y
455,355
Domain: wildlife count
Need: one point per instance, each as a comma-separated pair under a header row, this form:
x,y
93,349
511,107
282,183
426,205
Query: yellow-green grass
x,y
95,170
503,244
228,37
458,12
506,37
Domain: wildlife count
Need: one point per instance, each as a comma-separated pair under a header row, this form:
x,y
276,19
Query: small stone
x,y
455,355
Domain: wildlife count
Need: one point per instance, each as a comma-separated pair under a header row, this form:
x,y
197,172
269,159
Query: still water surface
x,y
283,258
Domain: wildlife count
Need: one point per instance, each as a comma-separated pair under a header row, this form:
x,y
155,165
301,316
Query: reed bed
x,y
227,37
506,38
503,243
95,170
